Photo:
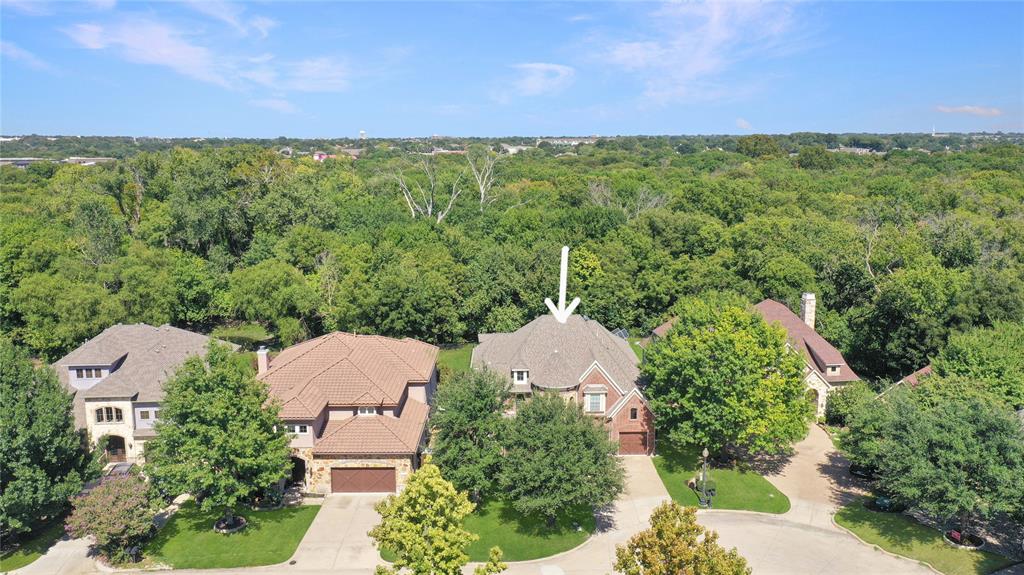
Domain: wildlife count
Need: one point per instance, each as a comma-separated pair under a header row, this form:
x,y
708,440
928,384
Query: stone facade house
x,y
584,363
825,369
117,380
356,406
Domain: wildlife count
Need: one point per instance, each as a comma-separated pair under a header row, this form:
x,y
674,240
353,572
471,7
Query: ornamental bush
x,y
118,512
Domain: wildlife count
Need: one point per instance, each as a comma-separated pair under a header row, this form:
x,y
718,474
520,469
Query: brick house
x,y
357,408
825,368
117,379
584,363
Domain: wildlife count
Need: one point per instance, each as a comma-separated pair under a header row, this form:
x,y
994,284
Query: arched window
x,y
109,415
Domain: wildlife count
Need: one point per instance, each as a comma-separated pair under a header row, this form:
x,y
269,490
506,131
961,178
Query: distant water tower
x,y
362,134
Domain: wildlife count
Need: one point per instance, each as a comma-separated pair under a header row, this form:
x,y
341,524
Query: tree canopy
x,y
904,248
219,437
558,458
45,459
468,423
723,378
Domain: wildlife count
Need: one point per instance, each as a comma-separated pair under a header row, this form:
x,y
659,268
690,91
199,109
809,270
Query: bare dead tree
x,y
424,200
482,167
644,199
870,240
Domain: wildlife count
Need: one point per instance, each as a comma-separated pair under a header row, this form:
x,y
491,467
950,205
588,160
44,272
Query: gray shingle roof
x,y
148,357
557,354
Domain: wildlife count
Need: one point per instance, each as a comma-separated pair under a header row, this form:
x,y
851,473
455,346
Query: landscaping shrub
x,y
843,401
118,512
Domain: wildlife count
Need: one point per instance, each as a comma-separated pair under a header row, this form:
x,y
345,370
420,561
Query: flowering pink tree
x,y
118,513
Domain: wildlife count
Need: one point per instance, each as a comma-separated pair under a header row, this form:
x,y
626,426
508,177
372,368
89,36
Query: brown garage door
x,y
633,443
366,480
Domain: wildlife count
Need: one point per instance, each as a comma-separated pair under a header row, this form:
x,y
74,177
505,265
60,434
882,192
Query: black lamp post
x,y
705,498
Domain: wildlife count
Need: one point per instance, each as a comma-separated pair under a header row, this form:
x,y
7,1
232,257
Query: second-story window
x,y
297,429
367,411
109,415
520,375
88,373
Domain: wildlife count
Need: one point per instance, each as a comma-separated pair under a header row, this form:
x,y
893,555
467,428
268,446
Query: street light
x,y
705,498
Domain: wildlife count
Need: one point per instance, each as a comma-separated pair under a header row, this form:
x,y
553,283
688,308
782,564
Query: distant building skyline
x,y
232,69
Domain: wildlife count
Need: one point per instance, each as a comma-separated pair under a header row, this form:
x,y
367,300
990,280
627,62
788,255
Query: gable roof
x,y
345,369
558,354
918,376
147,357
818,352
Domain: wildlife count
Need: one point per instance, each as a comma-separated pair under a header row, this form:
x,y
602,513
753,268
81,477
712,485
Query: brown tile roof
x,y
558,354
918,376
818,352
344,369
148,357
375,434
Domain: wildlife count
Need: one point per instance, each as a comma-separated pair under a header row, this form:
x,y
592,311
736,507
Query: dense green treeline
x,y
903,249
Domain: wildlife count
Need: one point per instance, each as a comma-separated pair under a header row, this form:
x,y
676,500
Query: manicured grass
x,y
32,547
188,541
521,538
456,358
902,535
247,335
634,342
744,490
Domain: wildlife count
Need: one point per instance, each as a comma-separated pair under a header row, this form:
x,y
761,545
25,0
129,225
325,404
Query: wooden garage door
x,y
366,480
633,443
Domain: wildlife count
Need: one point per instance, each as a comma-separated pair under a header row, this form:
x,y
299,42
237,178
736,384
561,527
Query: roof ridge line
x,y
372,382
400,358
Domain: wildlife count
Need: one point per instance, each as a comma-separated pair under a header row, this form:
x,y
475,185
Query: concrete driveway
x,y
337,539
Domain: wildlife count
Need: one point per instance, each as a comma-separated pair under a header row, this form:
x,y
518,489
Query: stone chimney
x,y
263,360
807,308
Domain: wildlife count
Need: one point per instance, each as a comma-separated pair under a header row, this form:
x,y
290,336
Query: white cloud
x,y
579,18
28,7
539,78
233,14
690,47
102,4
320,74
744,125
18,54
276,104
970,110
149,42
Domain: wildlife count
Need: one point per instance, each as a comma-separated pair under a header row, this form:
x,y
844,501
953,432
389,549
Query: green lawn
x,y
188,541
456,358
520,538
33,547
634,342
736,489
902,535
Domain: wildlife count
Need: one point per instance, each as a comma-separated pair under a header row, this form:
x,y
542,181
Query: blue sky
x,y
320,69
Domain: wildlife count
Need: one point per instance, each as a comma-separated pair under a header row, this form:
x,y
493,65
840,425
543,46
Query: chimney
x,y
262,360
807,308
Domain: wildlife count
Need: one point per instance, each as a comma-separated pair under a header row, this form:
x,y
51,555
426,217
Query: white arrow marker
x,y
561,312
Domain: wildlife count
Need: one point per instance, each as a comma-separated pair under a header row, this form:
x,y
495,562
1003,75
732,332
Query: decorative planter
x,y
967,541
240,524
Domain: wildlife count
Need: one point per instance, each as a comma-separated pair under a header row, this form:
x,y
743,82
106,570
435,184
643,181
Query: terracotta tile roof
x,y
376,434
558,354
818,352
344,369
918,376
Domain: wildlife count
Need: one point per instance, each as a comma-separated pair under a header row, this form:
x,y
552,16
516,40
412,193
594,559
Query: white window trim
x,y
601,402
366,411
297,428
525,373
